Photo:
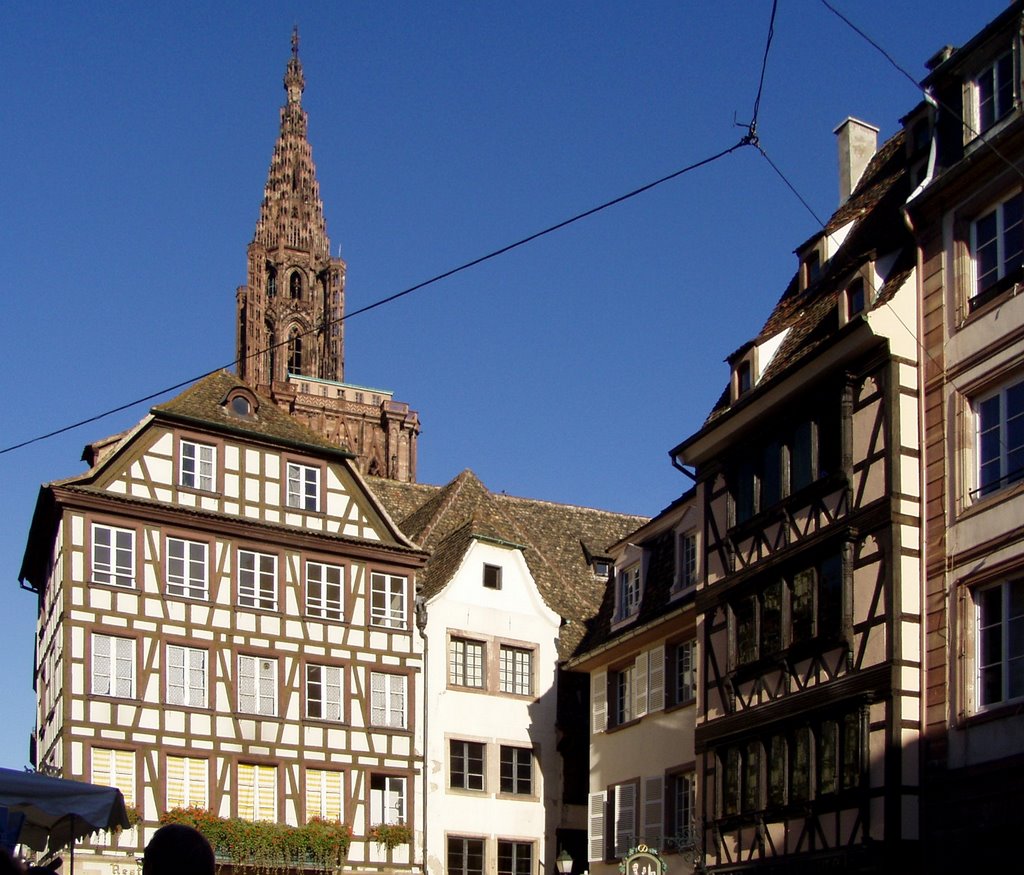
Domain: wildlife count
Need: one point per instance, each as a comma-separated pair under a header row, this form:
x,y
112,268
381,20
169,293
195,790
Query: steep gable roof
x,y
811,314
203,403
556,539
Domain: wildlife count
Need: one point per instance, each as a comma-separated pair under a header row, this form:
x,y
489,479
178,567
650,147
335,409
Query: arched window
x,y
295,286
295,352
271,283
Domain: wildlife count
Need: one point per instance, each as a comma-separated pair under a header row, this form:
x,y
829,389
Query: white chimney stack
x,y
858,142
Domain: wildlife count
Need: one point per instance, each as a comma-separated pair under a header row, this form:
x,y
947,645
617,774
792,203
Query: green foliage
x,y
269,847
390,835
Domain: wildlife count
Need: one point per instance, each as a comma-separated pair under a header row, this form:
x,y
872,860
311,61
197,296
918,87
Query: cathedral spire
x,y
289,313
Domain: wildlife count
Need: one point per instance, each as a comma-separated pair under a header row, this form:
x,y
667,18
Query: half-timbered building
x,y
226,623
505,593
967,214
809,609
639,656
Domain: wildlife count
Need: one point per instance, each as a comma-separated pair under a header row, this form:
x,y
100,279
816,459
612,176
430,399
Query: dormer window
x,y
241,402
855,298
810,268
993,93
744,377
601,568
629,591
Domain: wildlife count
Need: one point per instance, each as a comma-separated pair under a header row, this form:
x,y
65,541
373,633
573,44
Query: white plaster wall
x,y
515,614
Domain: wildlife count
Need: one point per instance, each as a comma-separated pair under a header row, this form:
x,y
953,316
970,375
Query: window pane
x,y
801,470
771,619
746,638
800,766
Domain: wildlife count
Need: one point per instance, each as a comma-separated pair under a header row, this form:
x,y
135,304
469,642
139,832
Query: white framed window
x,y
325,794
325,585
388,700
622,692
516,770
387,600
113,555
257,792
687,578
257,685
187,568
999,643
684,675
197,466
466,663
187,782
113,666
466,764
186,676
515,670
257,579
1000,439
629,591
997,247
993,93
682,807
324,691
303,487
115,768
387,799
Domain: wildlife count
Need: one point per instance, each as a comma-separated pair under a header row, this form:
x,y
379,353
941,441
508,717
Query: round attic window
x,y
240,405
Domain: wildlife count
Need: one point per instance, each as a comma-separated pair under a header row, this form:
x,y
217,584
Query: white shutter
x,y
654,817
599,702
640,685
625,818
595,827
656,682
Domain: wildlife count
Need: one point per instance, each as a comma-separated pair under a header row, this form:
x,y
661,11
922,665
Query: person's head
x,y
177,849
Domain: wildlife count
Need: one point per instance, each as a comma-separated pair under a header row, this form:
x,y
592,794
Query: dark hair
x,y
176,849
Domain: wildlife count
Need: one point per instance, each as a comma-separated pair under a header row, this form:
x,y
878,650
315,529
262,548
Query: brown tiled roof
x,y
811,315
445,519
203,403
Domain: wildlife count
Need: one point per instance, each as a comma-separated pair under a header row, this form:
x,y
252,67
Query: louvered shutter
x,y
654,811
599,702
656,682
596,827
640,685
625,818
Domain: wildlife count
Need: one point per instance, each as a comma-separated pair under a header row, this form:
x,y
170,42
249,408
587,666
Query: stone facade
x,y
290,313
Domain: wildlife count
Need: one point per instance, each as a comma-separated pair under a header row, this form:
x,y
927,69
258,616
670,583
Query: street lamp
x,y
563,862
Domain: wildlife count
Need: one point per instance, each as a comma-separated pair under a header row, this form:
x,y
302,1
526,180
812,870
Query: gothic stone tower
x,y
290,335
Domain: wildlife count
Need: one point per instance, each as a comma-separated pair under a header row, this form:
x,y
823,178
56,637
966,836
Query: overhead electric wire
x,y
390,298
955,113
749,139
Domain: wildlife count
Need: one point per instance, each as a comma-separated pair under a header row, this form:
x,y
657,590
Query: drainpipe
x,y
420,606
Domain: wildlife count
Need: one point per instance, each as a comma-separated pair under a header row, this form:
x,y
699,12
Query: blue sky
x,y
136,140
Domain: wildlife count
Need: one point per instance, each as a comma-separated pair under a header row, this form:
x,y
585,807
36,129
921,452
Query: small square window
x,y
492,576
855,298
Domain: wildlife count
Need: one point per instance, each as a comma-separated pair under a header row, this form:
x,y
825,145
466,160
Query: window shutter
x,y
640,685
654,817
625,818
656,683
599,702
596,827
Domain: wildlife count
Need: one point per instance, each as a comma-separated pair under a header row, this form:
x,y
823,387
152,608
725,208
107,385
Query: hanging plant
x,y
320,844
390,835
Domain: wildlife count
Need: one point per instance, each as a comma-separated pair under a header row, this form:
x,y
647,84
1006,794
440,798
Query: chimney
x,y
858,142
